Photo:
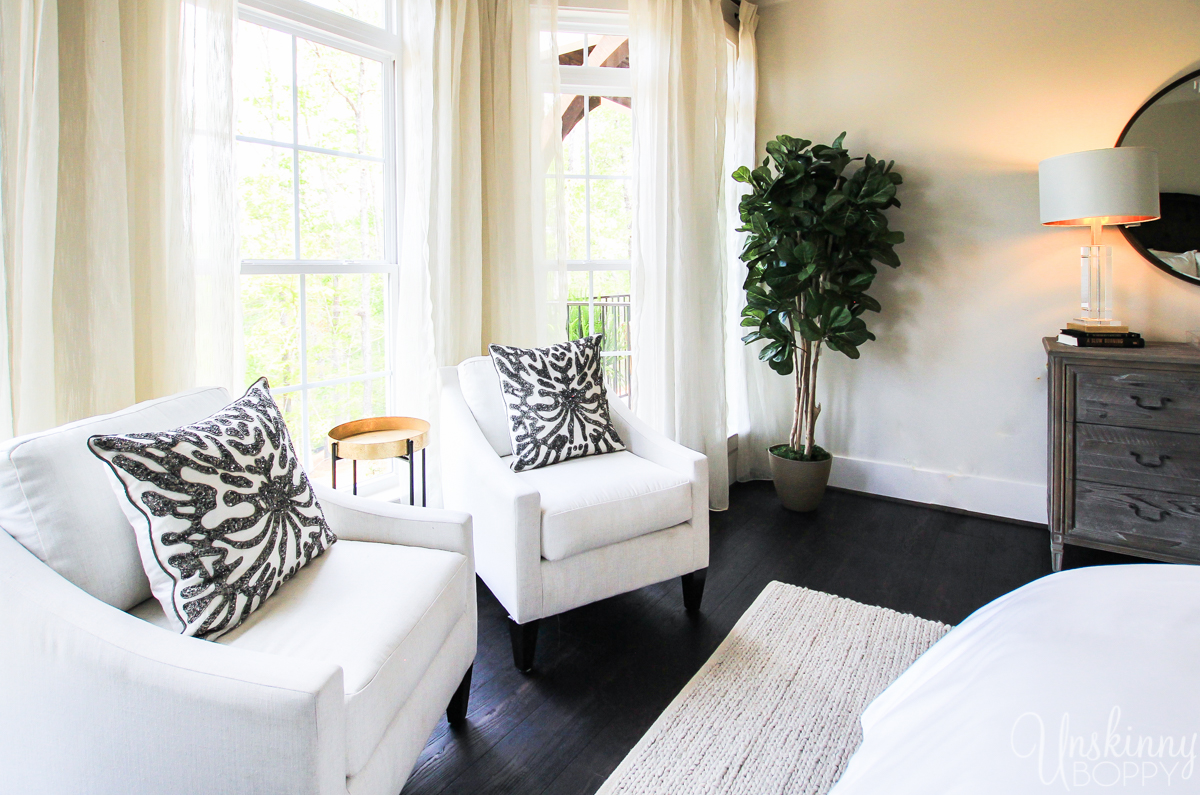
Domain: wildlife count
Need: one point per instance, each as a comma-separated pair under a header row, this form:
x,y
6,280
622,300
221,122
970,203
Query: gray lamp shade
x,y
1100,186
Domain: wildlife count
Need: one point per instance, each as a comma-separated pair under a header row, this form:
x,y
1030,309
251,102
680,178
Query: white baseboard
x,y
1006,498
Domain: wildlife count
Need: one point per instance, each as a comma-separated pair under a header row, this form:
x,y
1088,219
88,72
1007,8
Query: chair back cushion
x,y
481,390
55,497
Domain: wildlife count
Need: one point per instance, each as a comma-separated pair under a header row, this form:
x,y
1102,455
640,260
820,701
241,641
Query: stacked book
x,y
1111,337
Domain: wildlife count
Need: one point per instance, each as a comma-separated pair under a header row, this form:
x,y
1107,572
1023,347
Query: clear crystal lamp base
x,y
1095,287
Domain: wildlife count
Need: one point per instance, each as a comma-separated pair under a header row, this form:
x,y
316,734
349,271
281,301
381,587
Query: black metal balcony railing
x,y
612,320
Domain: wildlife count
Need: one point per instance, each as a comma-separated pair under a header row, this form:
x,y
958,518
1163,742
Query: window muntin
x,y
316,182
597,137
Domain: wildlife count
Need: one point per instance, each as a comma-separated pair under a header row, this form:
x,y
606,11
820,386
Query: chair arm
x,y
506,511
95,699
645,442
360,519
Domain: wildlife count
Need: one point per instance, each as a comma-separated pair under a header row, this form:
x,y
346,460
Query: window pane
x,y
611,218
610,129
578,323
263,83
617,376
570,48
290,406
341,207
271,328
608,51
340,99
576,201
369,11
611,289
345,324
330,406
574,132
265,186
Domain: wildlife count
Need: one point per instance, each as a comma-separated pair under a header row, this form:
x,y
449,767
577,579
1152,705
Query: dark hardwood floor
x,y
604,672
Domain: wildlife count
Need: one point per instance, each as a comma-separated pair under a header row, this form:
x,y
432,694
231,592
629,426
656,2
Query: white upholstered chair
x,y
333,686
551,539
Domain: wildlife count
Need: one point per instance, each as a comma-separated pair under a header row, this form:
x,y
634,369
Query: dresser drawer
x,y
1155,460
1139,520
1166,401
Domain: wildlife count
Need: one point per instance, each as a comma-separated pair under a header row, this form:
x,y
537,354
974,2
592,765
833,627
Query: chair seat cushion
x,y
588,503
380,611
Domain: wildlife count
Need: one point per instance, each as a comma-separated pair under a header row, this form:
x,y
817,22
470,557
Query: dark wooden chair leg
x,y
456,711
524,643
693,590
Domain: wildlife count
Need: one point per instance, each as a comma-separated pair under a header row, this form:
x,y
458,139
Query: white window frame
x,y
603,82
330,28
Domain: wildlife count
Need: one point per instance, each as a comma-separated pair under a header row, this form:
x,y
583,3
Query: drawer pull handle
x,y
1137,511
1160,460
1162,403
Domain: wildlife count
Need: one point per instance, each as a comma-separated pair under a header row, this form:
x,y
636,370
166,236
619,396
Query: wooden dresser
x,y
1125,450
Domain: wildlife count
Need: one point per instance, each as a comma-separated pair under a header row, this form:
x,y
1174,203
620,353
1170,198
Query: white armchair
x,y
551,539
333,686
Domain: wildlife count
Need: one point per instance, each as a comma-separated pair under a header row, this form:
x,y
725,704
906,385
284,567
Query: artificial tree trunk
x,y
806,410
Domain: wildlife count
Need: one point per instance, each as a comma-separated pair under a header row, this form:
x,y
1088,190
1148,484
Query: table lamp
x,y
1094,188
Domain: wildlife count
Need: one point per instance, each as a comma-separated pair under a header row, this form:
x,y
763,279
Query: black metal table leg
x,y
334,448
354,469
424,503
412,492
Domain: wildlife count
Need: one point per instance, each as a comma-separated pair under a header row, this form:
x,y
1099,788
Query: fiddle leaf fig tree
x,y
814,238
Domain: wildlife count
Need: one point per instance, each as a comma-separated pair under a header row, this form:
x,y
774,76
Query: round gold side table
x,y
382,437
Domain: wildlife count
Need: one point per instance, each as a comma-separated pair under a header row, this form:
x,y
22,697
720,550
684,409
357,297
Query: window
x,y
317,191
597,137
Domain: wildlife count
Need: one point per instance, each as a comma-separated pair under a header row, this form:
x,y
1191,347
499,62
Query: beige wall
x,y
967,96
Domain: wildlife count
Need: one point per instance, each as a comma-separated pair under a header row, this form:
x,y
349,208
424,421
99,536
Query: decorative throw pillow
x,y
557,406
223,511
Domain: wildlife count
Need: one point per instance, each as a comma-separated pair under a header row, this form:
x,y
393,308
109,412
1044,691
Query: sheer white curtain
x,y
29,138
677,58
119,223
755,392
476,92
524,275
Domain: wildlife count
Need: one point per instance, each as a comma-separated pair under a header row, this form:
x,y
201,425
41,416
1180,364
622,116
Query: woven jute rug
x,y
776,707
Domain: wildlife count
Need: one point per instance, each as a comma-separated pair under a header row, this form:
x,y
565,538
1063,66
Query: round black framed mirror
x,y
1169,123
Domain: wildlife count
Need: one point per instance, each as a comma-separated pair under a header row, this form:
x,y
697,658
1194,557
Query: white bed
x,y
1088,680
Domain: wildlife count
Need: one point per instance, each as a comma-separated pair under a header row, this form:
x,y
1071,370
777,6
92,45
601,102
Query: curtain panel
x,y
119,225
678,63
755,392
478,89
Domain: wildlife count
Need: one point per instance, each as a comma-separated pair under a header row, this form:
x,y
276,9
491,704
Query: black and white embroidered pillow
x,y
557,405
223,511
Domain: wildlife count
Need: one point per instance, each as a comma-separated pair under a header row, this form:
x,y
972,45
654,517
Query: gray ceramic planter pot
x,y
800,484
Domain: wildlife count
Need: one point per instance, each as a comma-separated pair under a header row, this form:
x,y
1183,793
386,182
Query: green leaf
x,y
809,330
877,190
867,302
833,199
742,175
783,367
861,282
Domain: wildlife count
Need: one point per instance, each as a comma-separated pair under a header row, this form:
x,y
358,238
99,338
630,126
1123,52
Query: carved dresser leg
x,y
1056,552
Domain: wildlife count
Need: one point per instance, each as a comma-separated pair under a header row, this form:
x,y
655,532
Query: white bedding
x,y
1182,261
1084,681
